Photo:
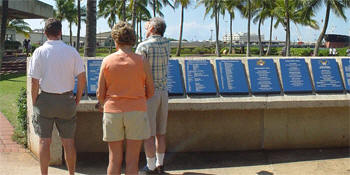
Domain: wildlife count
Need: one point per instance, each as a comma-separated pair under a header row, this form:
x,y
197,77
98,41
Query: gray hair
x,y
158,24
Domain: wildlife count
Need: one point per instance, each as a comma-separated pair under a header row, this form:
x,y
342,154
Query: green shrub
x,y
273,51
34,46
323,52
20,134
12,45
301,51
186,51
254,50
200,50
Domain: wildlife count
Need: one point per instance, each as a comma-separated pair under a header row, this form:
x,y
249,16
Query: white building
x,y
242,37
38,37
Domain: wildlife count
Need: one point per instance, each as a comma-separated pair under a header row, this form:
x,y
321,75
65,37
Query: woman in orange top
x,y
124,85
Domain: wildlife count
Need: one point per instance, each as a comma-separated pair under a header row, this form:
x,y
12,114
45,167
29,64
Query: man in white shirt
x,y
53,69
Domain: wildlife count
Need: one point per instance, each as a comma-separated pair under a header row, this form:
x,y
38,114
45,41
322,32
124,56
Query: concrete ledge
x,y
244,103
29,9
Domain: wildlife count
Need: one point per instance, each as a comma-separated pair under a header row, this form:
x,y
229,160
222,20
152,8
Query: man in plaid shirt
x,y
156,49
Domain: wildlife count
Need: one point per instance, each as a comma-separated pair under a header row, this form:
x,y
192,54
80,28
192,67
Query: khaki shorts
x,y
157,110
55,109
130,125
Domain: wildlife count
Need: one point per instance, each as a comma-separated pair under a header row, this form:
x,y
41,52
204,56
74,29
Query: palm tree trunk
x,y
178,52
3,28
261,51
288,29
134,13
231,19
140,27
154,8
320,38
137,30
70,33
110,41
90,39
124,10
217,31
270,41
78,30
248,37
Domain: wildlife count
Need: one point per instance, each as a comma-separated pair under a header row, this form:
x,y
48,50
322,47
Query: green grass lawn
x,y
10,86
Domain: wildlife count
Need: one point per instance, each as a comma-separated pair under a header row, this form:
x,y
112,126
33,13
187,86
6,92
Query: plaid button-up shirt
x,y
156,49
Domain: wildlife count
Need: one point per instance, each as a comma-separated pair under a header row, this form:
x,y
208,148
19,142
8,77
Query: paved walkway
x,y
6,132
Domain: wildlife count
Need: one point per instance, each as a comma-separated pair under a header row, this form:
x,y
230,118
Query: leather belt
x,y
64,93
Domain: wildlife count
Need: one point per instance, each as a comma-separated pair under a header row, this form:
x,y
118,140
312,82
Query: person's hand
x,y
99,107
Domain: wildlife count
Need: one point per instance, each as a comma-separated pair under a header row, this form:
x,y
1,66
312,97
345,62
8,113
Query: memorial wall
x,y
230,104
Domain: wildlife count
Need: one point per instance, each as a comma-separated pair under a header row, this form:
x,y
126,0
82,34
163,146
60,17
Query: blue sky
x,y
197,27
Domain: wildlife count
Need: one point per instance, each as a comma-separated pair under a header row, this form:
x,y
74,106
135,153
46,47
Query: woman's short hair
x,y
53,27
123,33
158,24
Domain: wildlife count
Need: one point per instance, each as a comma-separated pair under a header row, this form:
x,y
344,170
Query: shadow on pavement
x,y
96,163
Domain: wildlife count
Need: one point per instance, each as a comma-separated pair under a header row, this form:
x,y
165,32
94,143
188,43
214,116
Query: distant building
x,y
37,36
241,38
336,41
104,39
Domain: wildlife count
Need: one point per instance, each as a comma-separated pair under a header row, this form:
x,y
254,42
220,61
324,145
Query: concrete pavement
x,y
289,162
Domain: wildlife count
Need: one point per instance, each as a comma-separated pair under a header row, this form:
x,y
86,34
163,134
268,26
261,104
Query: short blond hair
x,y
123,33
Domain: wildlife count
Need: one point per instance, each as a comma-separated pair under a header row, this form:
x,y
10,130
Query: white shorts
x,y
157,109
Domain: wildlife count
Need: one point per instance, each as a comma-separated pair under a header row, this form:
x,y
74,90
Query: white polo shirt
x,y
56,65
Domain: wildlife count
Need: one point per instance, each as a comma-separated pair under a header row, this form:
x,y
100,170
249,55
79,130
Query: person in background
x,y
25,45
53,69
124,85
330,52
156,50
348,51
334,52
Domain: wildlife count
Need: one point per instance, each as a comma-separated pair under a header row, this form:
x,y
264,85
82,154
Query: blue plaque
x,y
93,71
199,77
75,85
346,70
263,76
295,76
326,75
175,83
231,77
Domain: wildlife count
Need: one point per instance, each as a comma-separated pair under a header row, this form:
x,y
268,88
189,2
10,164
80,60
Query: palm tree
x,y
298,14
79,26
3,28
65,10
337,6
184,4
142,14
216,8
286,3
245,8
271,7
230,5
133,3
263,11
70,15
157,6
270,38
108,9
90,39
20,26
